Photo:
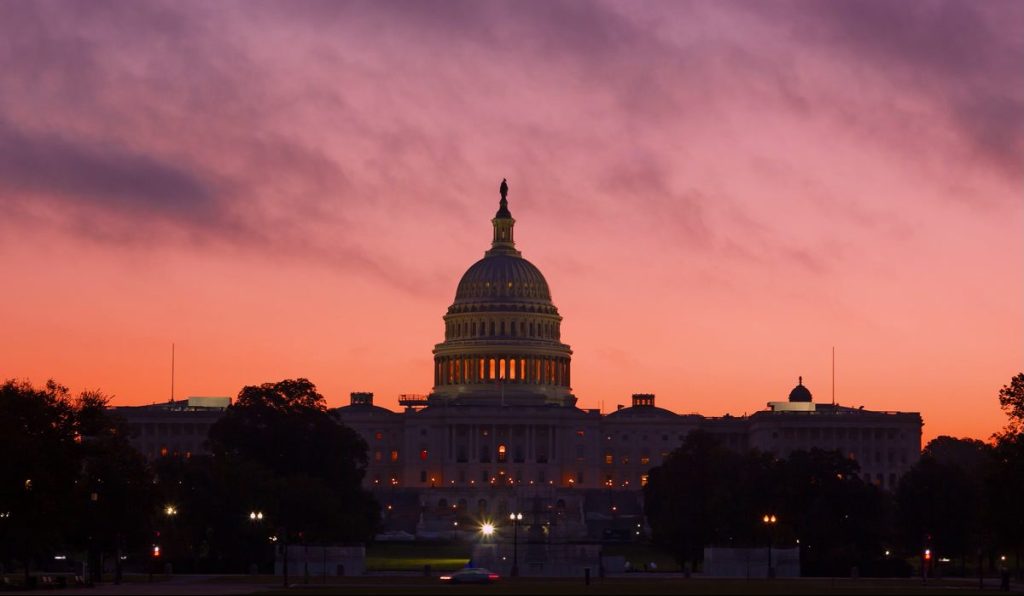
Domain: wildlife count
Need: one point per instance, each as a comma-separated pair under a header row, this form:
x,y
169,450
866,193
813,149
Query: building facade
x,y
501,432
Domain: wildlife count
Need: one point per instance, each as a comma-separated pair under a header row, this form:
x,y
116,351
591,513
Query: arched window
x,y
481,506
502,453
442,504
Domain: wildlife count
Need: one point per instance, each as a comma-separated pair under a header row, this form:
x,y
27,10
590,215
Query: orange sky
x,y
716,193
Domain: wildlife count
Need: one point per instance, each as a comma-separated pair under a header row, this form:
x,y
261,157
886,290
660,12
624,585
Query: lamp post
x,y
516,518
256,517
769,520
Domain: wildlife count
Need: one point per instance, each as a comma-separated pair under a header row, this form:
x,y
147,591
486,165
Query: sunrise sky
x,y
717,193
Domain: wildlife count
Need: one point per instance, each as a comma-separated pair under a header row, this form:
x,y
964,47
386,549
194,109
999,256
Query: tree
x,y
70,477
38,440
1006,483
314,464
705,494
114,498
1011,399
841,520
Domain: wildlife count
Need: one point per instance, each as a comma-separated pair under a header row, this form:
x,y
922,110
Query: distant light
x,y
60,557
487,529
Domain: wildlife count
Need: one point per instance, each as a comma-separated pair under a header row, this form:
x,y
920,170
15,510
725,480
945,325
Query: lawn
x,y
410,556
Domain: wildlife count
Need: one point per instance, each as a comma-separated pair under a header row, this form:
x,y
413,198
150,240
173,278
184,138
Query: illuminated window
x,y
379,435
423,455
394,455
580,433
643,479
609,459
378,456
645,459
625,459
502,453
163,452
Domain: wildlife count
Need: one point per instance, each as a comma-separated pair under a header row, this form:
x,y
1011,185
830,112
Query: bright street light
x,y
256,516
487,529
170,510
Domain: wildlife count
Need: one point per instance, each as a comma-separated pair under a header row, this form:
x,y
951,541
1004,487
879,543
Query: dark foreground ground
x,y
632,584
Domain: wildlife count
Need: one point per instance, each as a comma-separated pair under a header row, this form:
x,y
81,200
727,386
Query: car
x,y
471,575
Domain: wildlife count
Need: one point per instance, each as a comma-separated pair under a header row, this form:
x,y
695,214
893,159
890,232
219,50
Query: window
x,y
394,455
580,434
609,458
378,435
423,475
579,453
579,478
643,479
485,476
502,453
423,454
645,459
377,456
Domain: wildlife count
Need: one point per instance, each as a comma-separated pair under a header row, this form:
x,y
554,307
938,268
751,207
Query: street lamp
x,y
516,518
256,516
487,529
170,511
769,520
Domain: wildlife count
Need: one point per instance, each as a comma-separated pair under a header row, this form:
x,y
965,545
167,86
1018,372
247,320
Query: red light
x,y
927,554
156,552
492,576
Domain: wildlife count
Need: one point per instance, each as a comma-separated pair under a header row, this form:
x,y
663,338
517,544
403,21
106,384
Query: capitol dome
x,y
503,277
502,331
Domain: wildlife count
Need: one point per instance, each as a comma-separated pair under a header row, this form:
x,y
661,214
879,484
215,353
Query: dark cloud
x,y
966,58
106,175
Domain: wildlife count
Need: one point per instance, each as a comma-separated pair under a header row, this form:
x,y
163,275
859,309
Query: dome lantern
x,y
504,241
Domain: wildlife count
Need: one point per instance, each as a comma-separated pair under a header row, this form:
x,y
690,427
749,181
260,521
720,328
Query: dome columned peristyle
x,y
502,332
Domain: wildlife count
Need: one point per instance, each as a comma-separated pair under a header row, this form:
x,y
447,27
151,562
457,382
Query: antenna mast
x,y
172,371
833,375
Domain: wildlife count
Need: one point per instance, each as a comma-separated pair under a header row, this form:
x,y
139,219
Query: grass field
x,y
398,556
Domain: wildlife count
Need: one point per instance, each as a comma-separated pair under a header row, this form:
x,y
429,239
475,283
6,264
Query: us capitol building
x,y
500,432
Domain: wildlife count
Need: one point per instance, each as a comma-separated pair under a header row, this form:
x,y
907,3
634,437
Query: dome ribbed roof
x,y
502,277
